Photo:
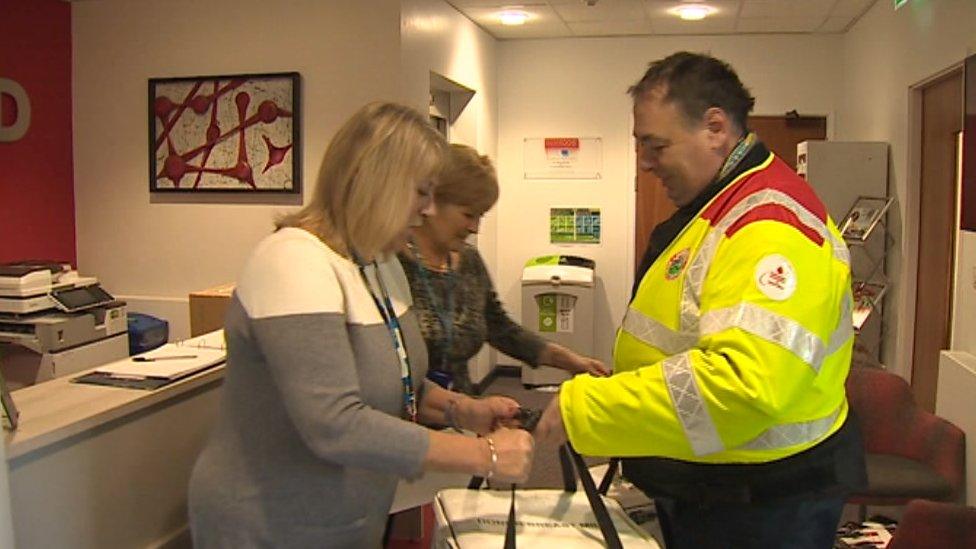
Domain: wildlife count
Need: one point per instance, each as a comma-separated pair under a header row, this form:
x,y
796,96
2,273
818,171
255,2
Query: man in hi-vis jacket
x,y
727,401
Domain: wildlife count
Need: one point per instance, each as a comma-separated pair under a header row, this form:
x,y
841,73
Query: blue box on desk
x,y
146,333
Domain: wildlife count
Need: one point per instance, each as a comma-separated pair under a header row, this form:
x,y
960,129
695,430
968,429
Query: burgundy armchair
x,y
933,525
910,453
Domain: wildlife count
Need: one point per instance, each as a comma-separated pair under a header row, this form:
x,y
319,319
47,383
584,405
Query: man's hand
x,y
551,429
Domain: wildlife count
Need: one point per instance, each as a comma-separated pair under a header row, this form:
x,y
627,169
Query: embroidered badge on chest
x,y
676,264
776,277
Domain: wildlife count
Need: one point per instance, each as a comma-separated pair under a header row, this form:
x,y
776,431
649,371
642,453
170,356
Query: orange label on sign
x,y
562,142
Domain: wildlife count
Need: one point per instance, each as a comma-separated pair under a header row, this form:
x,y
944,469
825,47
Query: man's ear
x,y
718,127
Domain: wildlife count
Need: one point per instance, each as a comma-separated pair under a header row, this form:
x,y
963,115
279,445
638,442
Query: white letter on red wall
x,y
20,125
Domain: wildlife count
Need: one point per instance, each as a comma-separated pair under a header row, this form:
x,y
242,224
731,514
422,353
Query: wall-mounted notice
x,y
574,225
563,157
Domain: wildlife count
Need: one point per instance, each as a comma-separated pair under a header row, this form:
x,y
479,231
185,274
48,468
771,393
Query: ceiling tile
x,y
611,28
722,22
852,8
835,24
658,9
543,22
786,8
604,10
778,24
491,3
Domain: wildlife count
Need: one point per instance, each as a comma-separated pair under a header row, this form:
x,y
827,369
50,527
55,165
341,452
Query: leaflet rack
x,y
867,236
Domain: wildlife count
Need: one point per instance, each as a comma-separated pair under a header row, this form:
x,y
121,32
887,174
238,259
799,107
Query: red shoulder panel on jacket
x,y
777,176
774,212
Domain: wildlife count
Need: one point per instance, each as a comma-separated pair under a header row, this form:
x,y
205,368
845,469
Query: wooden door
x,y
941,122
781,134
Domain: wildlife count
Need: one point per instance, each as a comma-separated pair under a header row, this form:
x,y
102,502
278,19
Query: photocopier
x,y
54,322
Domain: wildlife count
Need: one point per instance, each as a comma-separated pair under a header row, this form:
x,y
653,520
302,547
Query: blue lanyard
x,y
444,314
396,333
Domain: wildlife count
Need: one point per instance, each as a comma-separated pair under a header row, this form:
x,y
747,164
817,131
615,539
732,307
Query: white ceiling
x,y
575,18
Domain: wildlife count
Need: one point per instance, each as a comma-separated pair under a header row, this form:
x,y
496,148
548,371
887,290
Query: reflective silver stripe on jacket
x,y
776,328
688,403
691,293
749,317
845,326
792,434
655,334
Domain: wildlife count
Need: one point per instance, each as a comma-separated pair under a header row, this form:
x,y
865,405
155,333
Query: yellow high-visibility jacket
x,y
737,343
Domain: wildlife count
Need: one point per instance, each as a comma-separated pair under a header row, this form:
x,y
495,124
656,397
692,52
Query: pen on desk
x,y
155,358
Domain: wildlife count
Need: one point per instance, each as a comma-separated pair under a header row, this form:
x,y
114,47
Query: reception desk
x,y
94,467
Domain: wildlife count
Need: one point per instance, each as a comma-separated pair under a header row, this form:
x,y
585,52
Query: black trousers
x,y
808,524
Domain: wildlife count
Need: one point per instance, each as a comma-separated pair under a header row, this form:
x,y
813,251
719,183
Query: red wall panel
x,y
37,210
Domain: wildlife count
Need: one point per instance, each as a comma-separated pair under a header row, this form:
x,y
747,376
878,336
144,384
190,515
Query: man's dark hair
x,y
696,83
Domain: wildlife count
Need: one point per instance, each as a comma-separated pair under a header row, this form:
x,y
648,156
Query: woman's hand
x,y
561,357
513,451
484,415
578,364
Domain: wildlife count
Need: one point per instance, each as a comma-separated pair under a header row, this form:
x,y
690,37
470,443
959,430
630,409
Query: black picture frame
x,y
237,133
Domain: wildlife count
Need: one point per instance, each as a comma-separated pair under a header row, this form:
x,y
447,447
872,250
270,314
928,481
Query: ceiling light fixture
x,y
692,12
513,17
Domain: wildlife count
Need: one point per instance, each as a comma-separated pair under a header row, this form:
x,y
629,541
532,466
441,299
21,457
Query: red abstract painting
x,y
225,133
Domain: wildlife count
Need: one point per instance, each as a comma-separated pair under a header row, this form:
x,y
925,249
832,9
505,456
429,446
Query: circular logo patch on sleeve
x,y
776,277
676,263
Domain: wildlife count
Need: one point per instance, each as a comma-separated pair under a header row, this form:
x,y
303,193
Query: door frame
x,y
904,343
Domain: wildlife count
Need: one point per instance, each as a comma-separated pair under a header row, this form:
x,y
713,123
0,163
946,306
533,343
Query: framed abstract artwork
x,y
234,133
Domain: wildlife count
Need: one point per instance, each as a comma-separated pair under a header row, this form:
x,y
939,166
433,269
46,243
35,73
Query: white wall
x,y
435,37
160,249
964,321
577,87
884,54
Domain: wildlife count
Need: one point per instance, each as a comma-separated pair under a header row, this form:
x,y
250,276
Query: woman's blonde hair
x,y
369,175
468,179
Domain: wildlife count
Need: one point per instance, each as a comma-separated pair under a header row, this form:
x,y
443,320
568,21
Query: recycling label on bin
x,y
555,312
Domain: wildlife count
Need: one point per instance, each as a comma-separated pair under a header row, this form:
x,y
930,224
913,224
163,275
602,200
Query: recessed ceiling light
x,y
513,17
692,12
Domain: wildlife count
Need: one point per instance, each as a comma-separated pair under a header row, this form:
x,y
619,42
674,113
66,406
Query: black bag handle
x,y
567,458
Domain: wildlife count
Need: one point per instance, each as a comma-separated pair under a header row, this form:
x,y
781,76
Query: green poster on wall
x,y
574,225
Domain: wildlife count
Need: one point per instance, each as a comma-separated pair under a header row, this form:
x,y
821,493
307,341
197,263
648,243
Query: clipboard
x,y
157,368
143,383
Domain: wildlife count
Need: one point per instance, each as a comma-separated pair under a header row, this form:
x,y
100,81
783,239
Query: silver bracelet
x,y
450,414
494,458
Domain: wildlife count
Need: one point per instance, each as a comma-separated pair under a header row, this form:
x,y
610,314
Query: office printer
x,y
54,322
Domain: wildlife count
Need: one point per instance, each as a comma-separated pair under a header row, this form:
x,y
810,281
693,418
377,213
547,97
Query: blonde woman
x,y
325,392
455,300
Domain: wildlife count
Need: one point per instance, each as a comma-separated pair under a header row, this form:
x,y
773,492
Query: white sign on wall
x,y
563,157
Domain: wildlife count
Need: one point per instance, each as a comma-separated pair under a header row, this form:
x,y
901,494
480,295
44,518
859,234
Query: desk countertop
x,y
58,409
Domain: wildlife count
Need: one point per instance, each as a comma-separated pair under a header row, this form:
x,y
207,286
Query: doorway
x,y
941,122
781,134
